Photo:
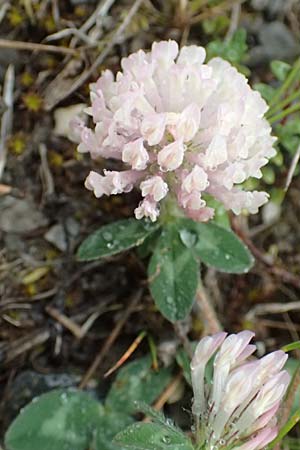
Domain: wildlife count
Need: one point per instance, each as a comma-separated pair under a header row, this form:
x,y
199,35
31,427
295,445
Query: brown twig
x,y
280,272
76,83
289,401
168,392
110,340
181,333
211,321
23,345
33,46
292,169
127,354
66,322
272,308
7,117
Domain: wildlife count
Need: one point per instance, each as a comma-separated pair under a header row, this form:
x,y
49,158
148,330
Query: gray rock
x,y
29,384
277,42
272,6
20,216
56,235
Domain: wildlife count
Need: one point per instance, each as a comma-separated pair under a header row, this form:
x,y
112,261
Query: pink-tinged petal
x,y
112,182
263,438
200,215
88,141
267,397
155,187
171,156
196,180
265,418
123,181
147,208
216,152
164,52
76,126
188,123
135,154
245,354
191,54
235,392
226,358
192,201
238,200
153,128
98,184
272,392
204,351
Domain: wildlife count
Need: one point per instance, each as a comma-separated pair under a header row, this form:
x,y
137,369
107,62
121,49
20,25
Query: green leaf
x,y
221,216
280,69
115,238
293,346
234,50
218,247
137,381
289,134
146,248
184,361
57,420
173,273
155,415
293,367
266,91
108,426
150,436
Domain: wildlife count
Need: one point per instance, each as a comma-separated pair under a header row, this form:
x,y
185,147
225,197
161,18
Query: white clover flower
x,y
239,408
180,126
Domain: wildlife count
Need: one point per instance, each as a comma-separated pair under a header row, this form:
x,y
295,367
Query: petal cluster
x,y
181,127
238,408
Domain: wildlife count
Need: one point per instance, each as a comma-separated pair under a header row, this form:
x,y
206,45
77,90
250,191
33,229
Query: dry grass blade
x,y
46,175
211,322
65,322
74,84
33,46
110,340
271,308
7,117
71,32
101,11
24,344
292,169
127,354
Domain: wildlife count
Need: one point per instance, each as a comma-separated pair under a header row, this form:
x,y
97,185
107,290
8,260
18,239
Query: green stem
x,y
294,419
284,113
289,347
285,86
283,103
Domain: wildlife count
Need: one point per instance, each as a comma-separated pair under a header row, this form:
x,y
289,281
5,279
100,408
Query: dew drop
x,y
107,236
166,440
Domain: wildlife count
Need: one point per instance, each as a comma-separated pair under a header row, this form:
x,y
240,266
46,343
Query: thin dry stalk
x,y
50,102
33,46
110,340
292,169
168,392
211,322
65,321
7,117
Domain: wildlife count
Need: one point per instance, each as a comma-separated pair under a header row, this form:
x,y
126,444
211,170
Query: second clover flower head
x,y
182,128
238,409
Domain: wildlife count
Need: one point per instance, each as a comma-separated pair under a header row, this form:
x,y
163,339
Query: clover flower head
x,y
182,128
238,409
